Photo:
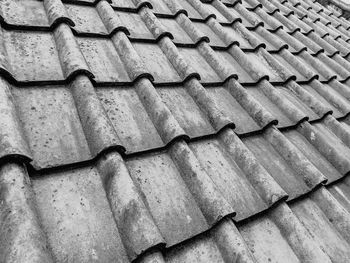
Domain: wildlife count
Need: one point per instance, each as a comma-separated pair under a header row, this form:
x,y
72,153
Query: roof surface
x,y
174,131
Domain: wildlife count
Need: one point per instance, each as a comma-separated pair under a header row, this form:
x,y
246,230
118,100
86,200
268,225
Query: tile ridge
x,y
313,46
196,35
321,68
333,210
225,11
293,113
111,22
227,236
201,97
267,188
311,176
250,104
338,64
308,250
93,118
247,15
339,130
22,238
291,41
71,59
319,141
300,66
320,109
254,5
208,197
282,7
13,144
270,8
138,230
57,13
293,21
331,48
184,70
269,19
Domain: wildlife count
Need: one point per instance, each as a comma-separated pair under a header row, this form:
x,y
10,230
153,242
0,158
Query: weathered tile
x,y
76,217
51,125
33,56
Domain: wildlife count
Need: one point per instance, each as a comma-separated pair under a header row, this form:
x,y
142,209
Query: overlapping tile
x,y
128,115
22,238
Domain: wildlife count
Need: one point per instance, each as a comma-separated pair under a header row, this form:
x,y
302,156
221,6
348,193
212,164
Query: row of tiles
x,y
74,64
33,57
13,12
115,59
246,179
75,215
308,15
73,61
130,116
89,20
166,197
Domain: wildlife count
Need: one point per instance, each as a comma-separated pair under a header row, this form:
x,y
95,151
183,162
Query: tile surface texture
x,y
174,131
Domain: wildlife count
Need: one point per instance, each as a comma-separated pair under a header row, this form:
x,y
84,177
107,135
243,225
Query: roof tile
x,y
12,140
52,143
